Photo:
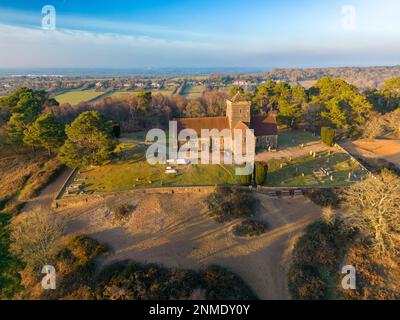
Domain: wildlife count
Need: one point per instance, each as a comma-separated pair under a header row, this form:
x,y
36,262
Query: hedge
x,y
328,136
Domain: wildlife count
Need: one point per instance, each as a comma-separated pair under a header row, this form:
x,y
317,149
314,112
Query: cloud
x,y
26,47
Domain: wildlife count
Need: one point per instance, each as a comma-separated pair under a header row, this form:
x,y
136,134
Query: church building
x,y
238,116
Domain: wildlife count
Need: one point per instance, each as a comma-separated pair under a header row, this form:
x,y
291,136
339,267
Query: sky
x,y
201,33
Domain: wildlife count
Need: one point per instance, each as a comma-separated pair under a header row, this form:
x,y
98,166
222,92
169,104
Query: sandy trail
x,y
174,230
48,194
388,149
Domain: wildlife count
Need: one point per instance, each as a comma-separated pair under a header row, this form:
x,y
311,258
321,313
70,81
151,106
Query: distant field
x,y
77,96
129,93
193,91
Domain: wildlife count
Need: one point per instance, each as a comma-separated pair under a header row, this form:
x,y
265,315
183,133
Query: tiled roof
x,y
264,125
196,124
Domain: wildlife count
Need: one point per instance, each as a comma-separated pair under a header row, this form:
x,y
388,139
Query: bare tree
x,y
373,207
37,238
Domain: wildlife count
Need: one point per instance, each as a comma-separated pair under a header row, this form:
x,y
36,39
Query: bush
x,y
328,136
226,204
122,212
316,260
134,281
260,172
377,279
249,228
85,248
222,284
80,278
244,180
324,197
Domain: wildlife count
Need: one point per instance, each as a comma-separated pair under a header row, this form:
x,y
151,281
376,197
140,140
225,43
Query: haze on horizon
x,y
201,34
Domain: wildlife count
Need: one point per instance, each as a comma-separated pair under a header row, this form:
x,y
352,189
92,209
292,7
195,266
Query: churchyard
x,y
301,161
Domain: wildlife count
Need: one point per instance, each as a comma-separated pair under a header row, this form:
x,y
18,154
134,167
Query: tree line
x,y
83,133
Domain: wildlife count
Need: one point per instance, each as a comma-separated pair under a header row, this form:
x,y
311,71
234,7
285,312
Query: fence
x,y
64,186
338,146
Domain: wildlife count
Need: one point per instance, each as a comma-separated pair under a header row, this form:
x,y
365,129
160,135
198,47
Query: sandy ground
x,y
386,149
294,152
174,230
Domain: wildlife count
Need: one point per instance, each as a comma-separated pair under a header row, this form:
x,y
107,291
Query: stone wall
x,y
267,141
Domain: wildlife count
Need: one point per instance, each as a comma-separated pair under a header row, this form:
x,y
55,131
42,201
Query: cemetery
x,y
322,169
301,161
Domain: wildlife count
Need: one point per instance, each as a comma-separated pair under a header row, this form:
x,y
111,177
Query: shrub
x,y
85,248
129,280
249,228
260,172
222,284
328,136
324,197
244,180
377,279
122,212
316,259
306,283
225,204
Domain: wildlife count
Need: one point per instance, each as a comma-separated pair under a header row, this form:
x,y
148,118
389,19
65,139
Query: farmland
x,y
194,92
77,96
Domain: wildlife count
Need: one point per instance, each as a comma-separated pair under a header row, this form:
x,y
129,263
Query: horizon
x,y
186,34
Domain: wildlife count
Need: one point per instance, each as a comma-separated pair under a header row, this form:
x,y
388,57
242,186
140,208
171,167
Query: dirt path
x,y
174,230
48,194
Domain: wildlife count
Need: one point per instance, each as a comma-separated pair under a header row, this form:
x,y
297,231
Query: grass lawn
x,y
125,175
131,170
291,173
77,96
293,138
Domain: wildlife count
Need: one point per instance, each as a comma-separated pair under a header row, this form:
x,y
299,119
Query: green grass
x,y
288,176
193,91
77,96
293,138
125,175
132,171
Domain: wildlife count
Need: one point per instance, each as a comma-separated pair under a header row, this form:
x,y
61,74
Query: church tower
x,y
238,110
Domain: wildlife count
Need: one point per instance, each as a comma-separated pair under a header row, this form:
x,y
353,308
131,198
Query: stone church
x,y
238,116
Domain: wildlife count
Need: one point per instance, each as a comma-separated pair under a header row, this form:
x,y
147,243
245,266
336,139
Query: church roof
x,y
196,124
264,125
